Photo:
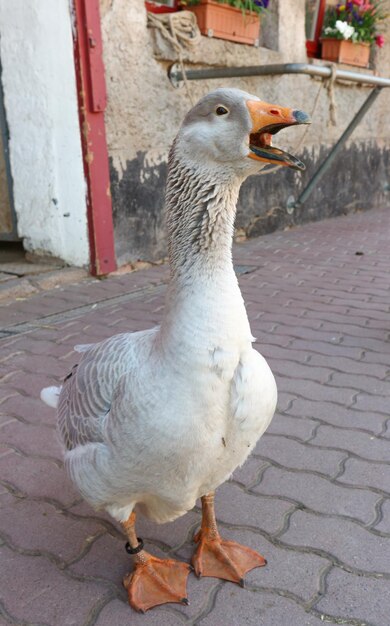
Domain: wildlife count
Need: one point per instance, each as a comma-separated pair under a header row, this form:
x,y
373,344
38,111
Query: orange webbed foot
x,y
156,581
224,559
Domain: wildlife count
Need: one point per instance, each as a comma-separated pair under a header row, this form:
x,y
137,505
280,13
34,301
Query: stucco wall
x,y
36,52
144,113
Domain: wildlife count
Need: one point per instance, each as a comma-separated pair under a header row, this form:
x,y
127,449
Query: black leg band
x,y
131,550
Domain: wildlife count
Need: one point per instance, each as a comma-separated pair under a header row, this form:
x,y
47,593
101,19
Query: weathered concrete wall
x,y
144,113
36,51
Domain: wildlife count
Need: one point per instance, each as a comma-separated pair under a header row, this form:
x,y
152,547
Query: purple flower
x,y
357,17
262,3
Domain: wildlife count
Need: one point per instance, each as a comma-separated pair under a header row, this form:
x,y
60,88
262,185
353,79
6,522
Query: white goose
x,y
156,419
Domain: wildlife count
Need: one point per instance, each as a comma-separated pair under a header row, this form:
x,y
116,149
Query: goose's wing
x,y
253,393
88,390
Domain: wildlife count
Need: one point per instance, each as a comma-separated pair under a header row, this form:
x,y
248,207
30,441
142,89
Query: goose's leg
x,y
153,581
217,557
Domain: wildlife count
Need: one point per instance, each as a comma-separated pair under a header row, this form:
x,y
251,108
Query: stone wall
x,y
144,112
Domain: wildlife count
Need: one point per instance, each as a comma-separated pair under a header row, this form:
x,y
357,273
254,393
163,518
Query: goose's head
x,y
230,131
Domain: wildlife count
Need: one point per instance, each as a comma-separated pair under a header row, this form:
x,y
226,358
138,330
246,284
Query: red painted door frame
x,y
92,98
313,47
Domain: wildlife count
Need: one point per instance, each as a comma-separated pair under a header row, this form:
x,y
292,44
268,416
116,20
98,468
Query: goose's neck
x,y
204,305
200,220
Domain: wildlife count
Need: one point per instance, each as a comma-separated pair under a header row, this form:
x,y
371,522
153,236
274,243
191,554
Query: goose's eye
x,y
221,110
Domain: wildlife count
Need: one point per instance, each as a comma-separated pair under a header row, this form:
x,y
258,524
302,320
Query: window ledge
x,y
214,52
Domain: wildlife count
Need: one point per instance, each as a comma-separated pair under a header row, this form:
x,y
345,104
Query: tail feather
x,y
50,395
83,347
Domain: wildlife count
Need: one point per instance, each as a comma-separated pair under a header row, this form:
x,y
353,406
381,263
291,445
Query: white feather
x,y
50,396
83,347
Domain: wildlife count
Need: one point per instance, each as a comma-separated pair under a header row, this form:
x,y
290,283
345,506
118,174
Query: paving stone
x,y
384,524
294,426
52,531
292,369
44,305
320,347
107,560
33,439
362,473
37,592
356,597
373,313
366,402
171,535
38,478
362,444
30,363
5,420
248,473
338,415
364,383
28,409
285,400
299,331
386,430
37,345
293,454
376,357
269,351
16,289
349,366
265,338
28,384
234,506
354,546
311,390
252,608
351,330
319,494
80,509
367,343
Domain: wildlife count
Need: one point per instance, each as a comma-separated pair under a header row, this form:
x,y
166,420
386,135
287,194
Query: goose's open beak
x,y
269,119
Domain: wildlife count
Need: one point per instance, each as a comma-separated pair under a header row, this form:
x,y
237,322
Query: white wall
x,y
36,52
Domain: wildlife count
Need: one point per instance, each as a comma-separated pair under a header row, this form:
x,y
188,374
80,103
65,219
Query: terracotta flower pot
x,y
226,22
348,52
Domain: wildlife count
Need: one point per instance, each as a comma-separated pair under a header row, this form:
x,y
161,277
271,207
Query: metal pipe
x,y
291,205
175,73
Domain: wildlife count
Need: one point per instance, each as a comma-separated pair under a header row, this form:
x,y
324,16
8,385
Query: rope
x,y
329,83
181,31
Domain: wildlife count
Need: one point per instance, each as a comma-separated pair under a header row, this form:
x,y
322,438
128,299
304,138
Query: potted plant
x,y
350,29
235,20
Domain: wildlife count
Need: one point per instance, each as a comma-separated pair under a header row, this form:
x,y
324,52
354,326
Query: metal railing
x,y
175,75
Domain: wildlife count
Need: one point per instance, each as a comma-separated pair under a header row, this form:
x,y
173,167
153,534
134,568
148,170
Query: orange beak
x,y
267,120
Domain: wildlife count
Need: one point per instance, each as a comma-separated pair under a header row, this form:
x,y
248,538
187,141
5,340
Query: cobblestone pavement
x,y
314,497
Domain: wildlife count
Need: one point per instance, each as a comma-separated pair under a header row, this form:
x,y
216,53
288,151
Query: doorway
x,y
8,230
